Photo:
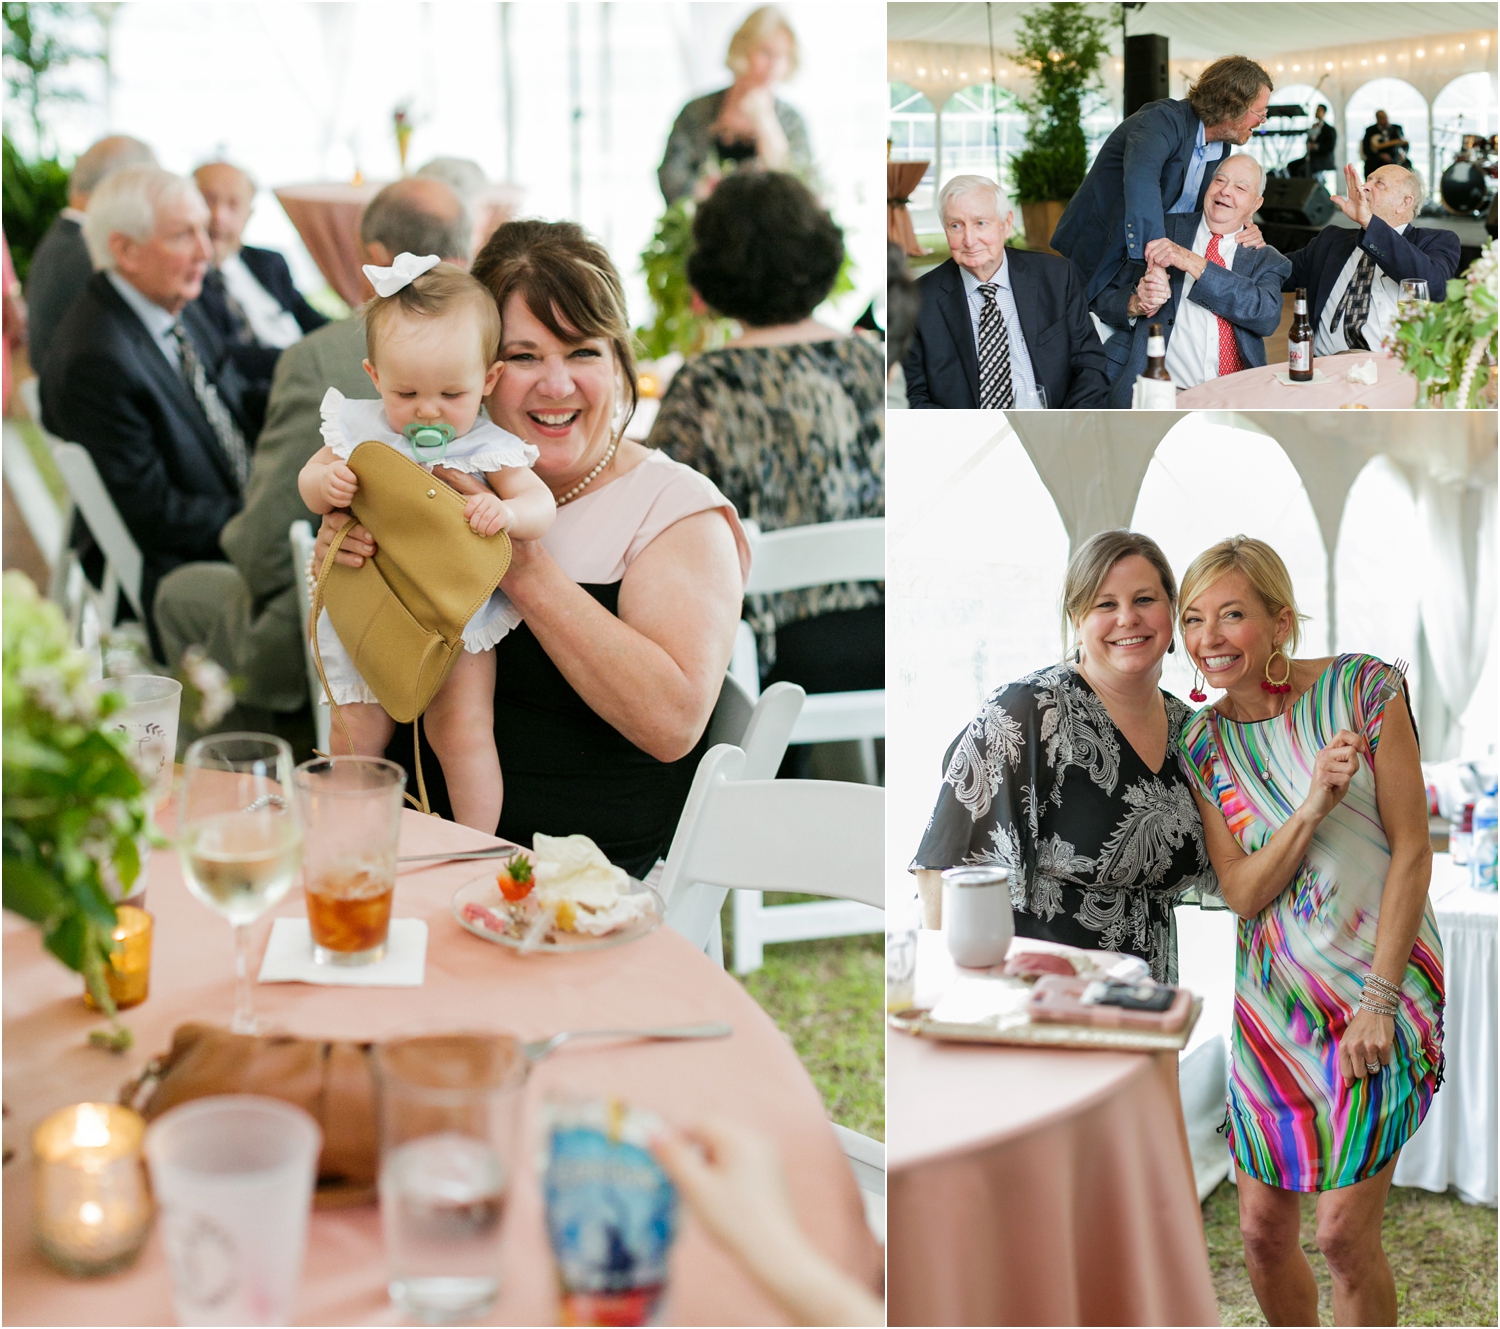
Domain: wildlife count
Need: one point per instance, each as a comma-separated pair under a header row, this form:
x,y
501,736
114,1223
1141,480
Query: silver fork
x,y
670,1033
1392,684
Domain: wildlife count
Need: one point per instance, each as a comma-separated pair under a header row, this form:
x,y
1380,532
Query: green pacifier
x,y
429,441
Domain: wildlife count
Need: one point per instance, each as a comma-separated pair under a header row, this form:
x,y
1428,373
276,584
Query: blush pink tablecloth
x,y
327,218
754,1077
1261,390
1038,1187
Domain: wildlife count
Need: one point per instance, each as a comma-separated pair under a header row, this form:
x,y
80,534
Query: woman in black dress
x,y
1068,777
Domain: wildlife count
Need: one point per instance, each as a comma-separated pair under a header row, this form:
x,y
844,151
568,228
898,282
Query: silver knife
x,y
500,851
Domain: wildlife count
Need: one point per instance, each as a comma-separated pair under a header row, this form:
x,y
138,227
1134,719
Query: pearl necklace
x,y
590,477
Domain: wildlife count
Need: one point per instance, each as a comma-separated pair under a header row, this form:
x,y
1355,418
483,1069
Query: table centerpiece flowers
x,y
1450,347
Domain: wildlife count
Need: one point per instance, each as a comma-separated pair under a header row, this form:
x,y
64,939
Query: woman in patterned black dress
x,y
788,420
1068,778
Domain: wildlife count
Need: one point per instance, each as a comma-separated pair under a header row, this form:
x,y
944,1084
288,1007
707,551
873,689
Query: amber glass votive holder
x,y
91,1207
129,974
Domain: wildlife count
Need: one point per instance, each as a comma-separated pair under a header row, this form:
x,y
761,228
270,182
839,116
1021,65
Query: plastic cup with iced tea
x,y
351,815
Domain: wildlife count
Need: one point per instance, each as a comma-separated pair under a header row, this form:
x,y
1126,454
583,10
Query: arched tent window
x,y
1405,106
977,553
911,129
1377,582
1465,106
1209,481
975,138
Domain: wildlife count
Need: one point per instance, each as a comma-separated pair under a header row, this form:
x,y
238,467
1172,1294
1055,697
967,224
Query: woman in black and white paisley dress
x,y
1068,777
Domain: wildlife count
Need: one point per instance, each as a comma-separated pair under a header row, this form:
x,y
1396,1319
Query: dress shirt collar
x,y
75,215
1200,141
1204,234
157,320
972,283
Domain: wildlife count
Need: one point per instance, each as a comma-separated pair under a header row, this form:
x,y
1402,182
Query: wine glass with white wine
x,y
239,838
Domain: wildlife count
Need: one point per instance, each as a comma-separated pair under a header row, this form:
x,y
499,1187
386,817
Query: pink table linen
x,y
1032,1186
327,218
1261,390
753,1077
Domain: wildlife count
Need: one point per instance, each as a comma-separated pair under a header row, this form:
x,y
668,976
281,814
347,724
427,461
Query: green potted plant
x,y
72,798
1062,46
1450,347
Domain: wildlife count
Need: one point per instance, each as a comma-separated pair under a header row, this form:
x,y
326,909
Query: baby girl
x,y
432,334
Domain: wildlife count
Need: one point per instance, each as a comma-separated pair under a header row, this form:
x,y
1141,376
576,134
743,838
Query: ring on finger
x,y
1373,1067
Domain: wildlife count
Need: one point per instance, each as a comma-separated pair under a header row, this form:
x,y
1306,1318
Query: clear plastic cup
x,y
449,1105
234,1178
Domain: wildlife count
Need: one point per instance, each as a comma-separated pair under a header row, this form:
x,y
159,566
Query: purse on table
x,y
401,616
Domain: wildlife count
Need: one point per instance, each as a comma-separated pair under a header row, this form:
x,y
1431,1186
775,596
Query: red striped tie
x,y
1229,353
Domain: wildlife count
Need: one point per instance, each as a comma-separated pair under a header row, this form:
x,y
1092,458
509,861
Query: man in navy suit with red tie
x,y
1353,276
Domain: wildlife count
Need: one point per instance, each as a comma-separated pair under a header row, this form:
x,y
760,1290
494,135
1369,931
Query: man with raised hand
x,y
1158,161
999,327
1216,300
1353,276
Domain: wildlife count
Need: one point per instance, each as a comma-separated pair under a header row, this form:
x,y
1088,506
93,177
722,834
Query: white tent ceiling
x,y
1204,31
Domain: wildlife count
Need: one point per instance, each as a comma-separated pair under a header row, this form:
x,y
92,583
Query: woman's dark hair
x,y
902,302
764,252
568,282
1226,88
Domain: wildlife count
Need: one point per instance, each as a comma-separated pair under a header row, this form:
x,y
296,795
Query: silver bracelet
x,y
1368,1003
1382,984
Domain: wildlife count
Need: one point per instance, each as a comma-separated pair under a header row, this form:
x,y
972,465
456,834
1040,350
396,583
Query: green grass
x,y
828,997
1443,1253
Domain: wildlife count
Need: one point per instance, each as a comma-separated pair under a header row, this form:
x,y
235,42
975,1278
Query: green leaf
x,y
31,891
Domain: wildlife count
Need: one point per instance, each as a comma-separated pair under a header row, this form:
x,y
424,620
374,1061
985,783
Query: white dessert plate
x,y
484,893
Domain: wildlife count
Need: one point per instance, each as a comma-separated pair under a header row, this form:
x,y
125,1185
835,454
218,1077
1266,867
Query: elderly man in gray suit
x,y
244,612
1215,297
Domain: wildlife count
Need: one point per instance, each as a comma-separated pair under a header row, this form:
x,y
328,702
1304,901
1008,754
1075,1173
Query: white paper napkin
x,y
1364,372
1285,376
289,958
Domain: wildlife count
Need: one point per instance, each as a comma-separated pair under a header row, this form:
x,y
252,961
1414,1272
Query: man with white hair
x,y
1353,276
1215,298
138,376
999,328
60,266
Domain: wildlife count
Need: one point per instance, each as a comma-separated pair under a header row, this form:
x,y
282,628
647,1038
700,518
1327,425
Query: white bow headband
x,y
406,269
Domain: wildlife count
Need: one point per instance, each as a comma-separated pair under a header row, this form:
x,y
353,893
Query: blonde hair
x,y
753,31
1260,565
437,293
1089,567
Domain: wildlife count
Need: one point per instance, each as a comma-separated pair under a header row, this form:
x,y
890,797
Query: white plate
x,y
485,891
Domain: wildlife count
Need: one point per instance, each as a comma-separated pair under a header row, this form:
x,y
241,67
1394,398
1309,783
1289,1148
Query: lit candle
x,y
129,974
91,1207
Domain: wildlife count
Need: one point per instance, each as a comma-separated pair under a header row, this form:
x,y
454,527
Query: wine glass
x,y
1413,293
239,838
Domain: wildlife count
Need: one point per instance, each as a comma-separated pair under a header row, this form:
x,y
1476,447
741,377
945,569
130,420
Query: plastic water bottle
x,y
1482,856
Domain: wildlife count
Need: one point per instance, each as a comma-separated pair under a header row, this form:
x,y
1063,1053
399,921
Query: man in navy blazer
x,y
1158,161
1192,297
114,379
1388,248
1044,318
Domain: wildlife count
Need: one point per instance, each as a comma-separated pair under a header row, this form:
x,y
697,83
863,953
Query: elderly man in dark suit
x,y
1353,276
1156,162
999,327
244,613
140,378
248,293
1216,302
60,266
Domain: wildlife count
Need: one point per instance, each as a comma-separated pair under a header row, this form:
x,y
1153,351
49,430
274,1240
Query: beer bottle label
x,y
1299,355
1152,394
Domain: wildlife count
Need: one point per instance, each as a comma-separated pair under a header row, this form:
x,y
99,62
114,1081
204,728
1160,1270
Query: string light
x,y
1420,53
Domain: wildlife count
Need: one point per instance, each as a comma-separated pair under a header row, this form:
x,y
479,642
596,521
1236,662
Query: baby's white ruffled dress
x,y
485,448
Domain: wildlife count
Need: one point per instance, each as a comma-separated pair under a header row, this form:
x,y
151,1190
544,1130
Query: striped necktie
x,y
995,389
1229,353
214,410
1354,308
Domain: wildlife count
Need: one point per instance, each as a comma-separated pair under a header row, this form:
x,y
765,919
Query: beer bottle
x,y
1156,355
1299,342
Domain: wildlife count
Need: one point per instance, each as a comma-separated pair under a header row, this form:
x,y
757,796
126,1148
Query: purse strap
x,y
312,636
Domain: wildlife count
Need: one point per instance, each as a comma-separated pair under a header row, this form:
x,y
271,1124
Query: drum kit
x,y
1470,182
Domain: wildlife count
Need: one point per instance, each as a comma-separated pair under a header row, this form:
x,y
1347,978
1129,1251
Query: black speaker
x,y
1146,76
1297,202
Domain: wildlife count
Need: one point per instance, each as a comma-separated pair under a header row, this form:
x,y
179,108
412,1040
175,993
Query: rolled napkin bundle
x,y
1363,372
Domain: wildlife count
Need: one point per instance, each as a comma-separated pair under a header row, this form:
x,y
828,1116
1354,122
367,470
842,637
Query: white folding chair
x,y
302,538
817,837
820,555
46,519
123,564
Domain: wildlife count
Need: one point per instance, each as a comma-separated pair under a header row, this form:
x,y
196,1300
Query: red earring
x,y
1269,684
1197,694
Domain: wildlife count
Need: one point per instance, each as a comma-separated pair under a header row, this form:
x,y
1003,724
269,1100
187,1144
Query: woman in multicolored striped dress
x,y
1307,777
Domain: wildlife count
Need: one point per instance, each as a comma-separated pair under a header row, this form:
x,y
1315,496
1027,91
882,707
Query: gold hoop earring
x,y
1269,684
